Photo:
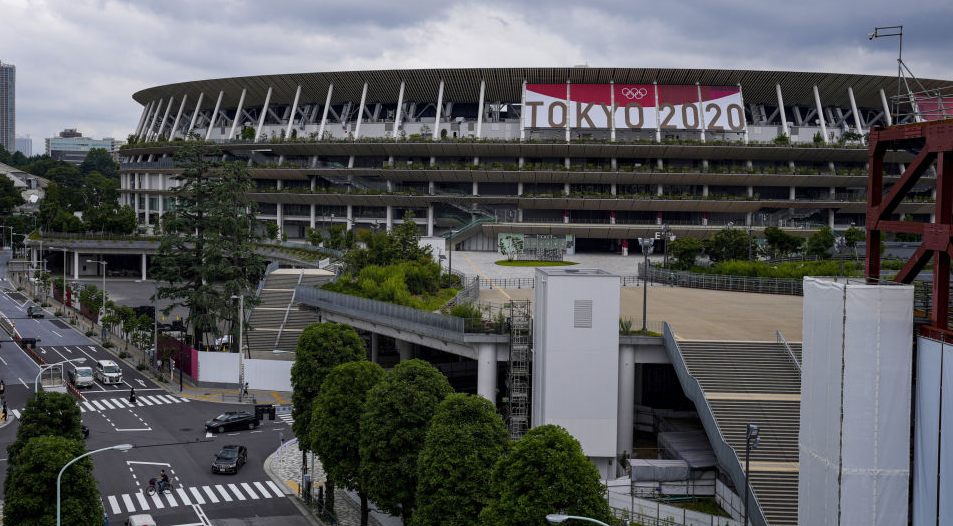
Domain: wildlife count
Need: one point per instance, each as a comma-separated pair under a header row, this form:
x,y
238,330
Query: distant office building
x,y
72,147
8,114
24,145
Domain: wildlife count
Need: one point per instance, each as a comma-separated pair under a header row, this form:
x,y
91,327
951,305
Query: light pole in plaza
x,y
59,477
241,349
752,440
646,243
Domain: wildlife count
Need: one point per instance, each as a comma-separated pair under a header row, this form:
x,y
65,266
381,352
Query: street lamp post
x,y
59,477
241,350
450,262
646,244
558,518
751,442
36,382
103,309
155,320
665,231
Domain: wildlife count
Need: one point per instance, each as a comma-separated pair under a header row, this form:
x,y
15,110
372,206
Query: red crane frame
x,y
935,141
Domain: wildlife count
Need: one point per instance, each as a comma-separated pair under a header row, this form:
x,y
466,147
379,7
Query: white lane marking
x,y
58,335
183,497
127,500
137,429
225,495
141,382
16,413
262,489
2,360
237,493
82,409
143,503
211,495
107,404
176,399
143,399
247,488
196,496
114,504
165,398
122,402
171,499
208,434
148,463
24,383
274,487
97,404
157,501
89,406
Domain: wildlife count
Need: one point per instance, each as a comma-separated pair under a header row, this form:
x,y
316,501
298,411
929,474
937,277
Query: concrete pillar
x,y
280,218
705,190
820,114
430,221
350,217
519,188
833,193
659,163
476,188
390,218
375,348
659,190
312,222
792,193
748,217
626,409
830,217
486,371
144,266
76,265
612,189
566,188
405,350
750,191
431,187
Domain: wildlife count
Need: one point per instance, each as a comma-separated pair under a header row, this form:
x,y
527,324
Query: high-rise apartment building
x,y
24,145
8,116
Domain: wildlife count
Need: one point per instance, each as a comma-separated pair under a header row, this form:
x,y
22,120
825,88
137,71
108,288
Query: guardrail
x,y
676,278
507,283
787,347
344,303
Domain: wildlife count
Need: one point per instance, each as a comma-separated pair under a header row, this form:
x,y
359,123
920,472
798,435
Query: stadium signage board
x,y
634,106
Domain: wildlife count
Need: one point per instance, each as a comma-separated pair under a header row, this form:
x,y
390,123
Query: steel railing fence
x,y
346,304
676,278
787,347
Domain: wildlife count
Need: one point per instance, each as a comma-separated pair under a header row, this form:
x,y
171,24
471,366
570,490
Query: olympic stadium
x,y
587,160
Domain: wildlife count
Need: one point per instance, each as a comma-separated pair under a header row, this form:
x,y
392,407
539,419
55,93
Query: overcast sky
x,y
79,61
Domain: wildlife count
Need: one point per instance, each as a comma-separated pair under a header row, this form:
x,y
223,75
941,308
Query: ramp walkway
x,y
276,323
734,384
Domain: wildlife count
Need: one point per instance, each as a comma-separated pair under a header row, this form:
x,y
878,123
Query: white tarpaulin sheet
x,y
926,433
855,403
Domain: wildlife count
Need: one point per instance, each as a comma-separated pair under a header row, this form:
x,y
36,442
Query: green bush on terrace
x,y
787,270
410,283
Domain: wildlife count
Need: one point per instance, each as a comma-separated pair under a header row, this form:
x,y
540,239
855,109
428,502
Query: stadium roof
x,y
503,84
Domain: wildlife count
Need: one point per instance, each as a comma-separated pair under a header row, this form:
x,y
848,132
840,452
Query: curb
x,y
302,509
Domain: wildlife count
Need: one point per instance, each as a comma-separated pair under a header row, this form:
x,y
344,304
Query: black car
x,y
230,421
230,459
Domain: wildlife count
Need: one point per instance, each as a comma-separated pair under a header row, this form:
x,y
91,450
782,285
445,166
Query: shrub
x,y
89,334
141,367
123,354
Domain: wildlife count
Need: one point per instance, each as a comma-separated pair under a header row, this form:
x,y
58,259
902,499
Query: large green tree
x,y
544,472
394,425
99,160
466,438
205,253
728,244
336,424
30,492
685,250
46,413
780,243
821,242
852,236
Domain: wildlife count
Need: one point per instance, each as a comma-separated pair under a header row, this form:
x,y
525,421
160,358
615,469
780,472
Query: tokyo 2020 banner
x,y
634,106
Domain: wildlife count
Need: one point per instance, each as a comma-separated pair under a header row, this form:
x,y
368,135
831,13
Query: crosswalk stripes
x,y
213,494
105,404
286,418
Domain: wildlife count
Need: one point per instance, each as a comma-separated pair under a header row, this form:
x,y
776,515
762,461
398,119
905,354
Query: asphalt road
x,y
167,432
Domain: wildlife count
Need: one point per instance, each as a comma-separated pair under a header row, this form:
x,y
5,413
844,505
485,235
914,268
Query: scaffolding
x,y
521,356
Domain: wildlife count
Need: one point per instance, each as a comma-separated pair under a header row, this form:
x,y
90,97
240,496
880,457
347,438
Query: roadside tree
x,y
780,243
544,472
466,438
46,413
728,244
394,425
821,242
336,424
685,250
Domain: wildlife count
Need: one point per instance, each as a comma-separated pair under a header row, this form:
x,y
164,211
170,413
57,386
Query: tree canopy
x,y
46,413
466,438
728,244
685,250
321,348
394,425
544,472
336,423
99,160
781,243
821,242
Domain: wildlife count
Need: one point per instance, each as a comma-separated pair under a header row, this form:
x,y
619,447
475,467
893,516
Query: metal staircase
x,y
521,356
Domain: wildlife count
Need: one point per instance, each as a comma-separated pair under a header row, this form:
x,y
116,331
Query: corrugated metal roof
x,y
504,84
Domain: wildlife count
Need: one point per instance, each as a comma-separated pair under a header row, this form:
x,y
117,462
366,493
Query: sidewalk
x,y
137,356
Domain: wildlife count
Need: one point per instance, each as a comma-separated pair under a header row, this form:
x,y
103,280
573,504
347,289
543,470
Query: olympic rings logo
x,y
634,93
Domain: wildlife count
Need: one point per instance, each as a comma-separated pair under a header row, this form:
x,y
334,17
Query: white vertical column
x,y
745,121
360,115
211,123
626,411
568,112
294,111
400,112
178,116
390,218
853,108
312,223
155,117
165,117
142,119
350,217
883,100
784,117
820,113
195,114
486,371
144,266
612,108
324,117
264,112
436,124
147,126
523,117
430,221
238,114
479,126
658,131
701,112
76,265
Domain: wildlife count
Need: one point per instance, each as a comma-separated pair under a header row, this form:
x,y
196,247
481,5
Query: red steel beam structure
x,y
934,140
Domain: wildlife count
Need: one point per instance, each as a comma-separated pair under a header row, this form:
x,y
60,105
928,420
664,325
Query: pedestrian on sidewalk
x,y
132,395
245,389
4,410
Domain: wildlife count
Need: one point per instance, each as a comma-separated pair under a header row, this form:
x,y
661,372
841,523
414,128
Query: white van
x,y
143,519
108,372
